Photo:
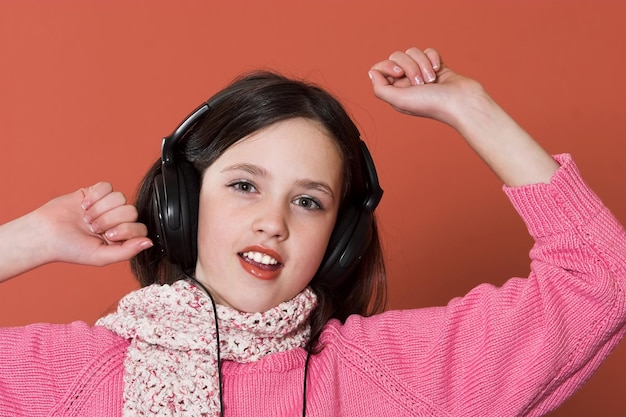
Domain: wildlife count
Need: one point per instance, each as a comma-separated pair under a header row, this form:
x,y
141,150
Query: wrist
x,y
21,247
473,111
39,238
514,156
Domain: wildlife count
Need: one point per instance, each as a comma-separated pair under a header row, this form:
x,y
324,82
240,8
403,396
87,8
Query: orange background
x,y
87,90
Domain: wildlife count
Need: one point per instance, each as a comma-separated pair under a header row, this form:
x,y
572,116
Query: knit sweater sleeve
x,y
522,348
47,368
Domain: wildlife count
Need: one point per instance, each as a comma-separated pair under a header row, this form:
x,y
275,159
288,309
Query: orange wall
x,y
87,90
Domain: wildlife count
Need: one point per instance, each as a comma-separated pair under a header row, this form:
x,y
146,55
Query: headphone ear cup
x,y
177,195
346,246
159,213
190,206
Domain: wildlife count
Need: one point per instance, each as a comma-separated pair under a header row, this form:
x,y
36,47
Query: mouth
x,y
261,264
258,258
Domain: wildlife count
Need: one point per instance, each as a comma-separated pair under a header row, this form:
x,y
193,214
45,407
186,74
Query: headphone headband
x,y
169,142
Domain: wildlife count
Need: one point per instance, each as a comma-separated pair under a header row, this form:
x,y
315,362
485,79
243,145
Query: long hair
x,y
248,104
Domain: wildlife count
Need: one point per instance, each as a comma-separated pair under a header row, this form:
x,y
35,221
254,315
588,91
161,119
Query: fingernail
x,y
87,219
146,245
369,73
430,77
95,228
85,204
397,69
110,234
418,80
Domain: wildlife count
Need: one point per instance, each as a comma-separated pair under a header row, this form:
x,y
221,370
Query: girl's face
x,y
268,205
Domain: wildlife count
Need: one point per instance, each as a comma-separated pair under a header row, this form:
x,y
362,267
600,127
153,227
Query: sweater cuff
x,y
565,203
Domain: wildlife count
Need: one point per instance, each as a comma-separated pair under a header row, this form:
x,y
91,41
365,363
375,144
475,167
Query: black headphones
x,y
176,203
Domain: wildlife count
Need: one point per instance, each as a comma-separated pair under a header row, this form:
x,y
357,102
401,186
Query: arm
x,y
54,369
463,104
92,226
523,348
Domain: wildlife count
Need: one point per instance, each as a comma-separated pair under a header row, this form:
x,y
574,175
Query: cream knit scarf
x,y
171,363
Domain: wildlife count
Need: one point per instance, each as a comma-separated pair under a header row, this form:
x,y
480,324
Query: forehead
x,y
294,147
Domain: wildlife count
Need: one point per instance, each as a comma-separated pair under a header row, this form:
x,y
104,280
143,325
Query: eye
x,y
308,203
243,186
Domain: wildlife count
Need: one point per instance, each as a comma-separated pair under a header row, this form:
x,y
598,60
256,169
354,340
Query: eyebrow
x,y
261,172
249,168
317,185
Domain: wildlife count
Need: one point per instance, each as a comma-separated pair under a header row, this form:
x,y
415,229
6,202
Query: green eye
x,y
308,203
243,186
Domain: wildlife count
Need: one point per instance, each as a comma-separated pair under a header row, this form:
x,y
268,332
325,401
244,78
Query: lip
x,y
258,270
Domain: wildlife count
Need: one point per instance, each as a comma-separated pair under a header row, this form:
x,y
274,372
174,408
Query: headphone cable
x,y
219,361
306,372
217,340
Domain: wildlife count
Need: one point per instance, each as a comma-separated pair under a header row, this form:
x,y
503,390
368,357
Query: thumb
x,y
397,96
112,253
378,81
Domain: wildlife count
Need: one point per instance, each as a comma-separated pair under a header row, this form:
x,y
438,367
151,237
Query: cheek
x,y
212,228
314,244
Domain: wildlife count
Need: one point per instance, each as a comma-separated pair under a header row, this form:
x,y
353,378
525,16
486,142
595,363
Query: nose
x,y
271,220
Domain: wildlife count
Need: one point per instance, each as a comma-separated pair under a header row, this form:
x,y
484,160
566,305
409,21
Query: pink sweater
x,y
520,349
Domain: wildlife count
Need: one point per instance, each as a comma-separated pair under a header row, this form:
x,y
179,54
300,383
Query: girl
x,y
262,275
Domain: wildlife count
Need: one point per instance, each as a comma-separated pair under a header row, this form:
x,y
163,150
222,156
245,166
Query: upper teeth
x,y
260,258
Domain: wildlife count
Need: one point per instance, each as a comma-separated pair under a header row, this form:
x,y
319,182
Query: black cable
x,y
219,361
306,371
217,339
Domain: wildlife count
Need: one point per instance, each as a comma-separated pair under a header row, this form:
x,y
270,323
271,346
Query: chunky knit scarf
x,y
171,364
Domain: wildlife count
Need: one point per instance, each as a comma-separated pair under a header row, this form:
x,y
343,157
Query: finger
x,y
422,61
109,202
434,57
121,252
126,231
384,91
378,80
410,66
113,217
390,69
94,193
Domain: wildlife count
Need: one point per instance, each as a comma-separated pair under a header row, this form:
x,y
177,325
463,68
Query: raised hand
x,y
418,83
91,226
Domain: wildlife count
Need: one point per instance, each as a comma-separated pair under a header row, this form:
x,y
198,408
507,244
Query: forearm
x,y
515,157
463,104
21,246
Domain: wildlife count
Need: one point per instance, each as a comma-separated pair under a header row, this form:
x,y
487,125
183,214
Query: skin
x,y
418,83
96,226
91,226
275,193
